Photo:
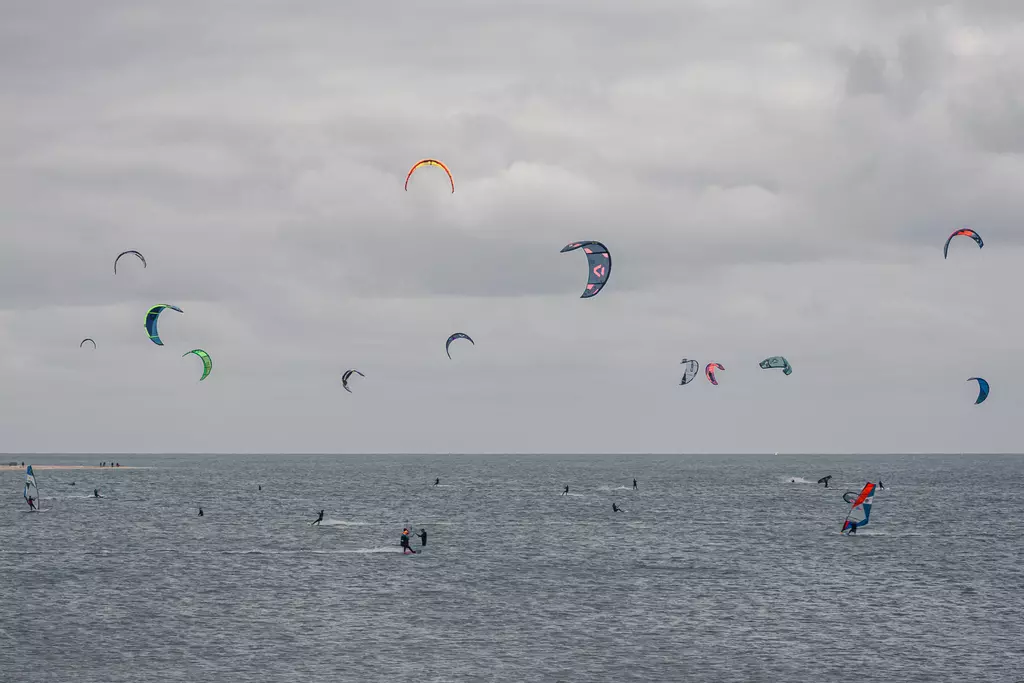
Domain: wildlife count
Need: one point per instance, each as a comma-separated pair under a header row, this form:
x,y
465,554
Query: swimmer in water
x,y
318,519
566,491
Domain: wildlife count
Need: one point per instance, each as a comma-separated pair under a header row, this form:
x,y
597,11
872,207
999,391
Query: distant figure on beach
x,y
634,484
423,536
615,508
437,481
118,464
318,519
200,512
566,491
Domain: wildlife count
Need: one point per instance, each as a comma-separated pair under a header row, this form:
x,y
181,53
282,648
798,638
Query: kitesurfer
x,y
634,484
615,508
437,481
31,503
95,493
566,491
826,483
318,519
423,536
880,484
200,512
260,487
405,542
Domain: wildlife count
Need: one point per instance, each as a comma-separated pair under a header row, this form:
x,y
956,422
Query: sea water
x,y
719,568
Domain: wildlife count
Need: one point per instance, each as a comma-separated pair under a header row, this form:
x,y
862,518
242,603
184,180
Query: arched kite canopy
x,y
207,361
824,480
966,232
429,162
709,371
130,251
151,318
982,389
88,339
599,262
689,372
346,375
777,362
457,335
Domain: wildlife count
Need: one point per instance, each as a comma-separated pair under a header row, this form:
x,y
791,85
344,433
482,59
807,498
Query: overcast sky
x,y
770,177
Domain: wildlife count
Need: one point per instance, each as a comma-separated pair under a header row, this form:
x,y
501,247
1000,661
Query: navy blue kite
x,y
457,335
599,263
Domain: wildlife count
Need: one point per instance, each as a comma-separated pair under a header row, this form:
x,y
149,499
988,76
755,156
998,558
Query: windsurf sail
x,y
31,490
863,503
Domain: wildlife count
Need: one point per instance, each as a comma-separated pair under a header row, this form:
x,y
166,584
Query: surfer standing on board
x,y
566,491
634,484
437,481
318,519
405,543
31,503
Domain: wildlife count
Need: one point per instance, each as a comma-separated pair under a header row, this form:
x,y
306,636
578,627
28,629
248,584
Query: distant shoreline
x,y
19,468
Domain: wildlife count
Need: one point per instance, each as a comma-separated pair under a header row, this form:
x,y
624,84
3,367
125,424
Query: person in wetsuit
x,y
405,542
566,491
95,493
423,536
437,481
634,484
200,512
880,484
615,508
318,519
853,528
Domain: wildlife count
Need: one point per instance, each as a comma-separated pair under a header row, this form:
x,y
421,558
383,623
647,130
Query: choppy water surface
x,y
719,569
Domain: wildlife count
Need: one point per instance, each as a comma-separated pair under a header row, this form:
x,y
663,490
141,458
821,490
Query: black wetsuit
x,y
405,544
423,536
634,485
880,484
615,508
95,493
319,519
200,512
566,491
853,528
437,481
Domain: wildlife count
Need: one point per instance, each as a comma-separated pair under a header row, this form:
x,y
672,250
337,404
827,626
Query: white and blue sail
x,y
31,490
861,503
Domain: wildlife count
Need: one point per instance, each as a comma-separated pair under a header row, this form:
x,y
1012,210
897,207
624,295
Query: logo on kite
x,y
966,232
600,262
133,252
457,335
777,362
88,339
429,162
151,318
982,389
689,372
207,361
346,375
709,372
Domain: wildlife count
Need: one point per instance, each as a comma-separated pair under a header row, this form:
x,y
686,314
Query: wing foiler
x,y
863,503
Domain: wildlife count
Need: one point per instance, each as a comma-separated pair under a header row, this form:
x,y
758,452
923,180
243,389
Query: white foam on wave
x,y
614,488
798,480
342,522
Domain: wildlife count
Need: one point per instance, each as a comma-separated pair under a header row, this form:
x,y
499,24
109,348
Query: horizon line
x,y
488,453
